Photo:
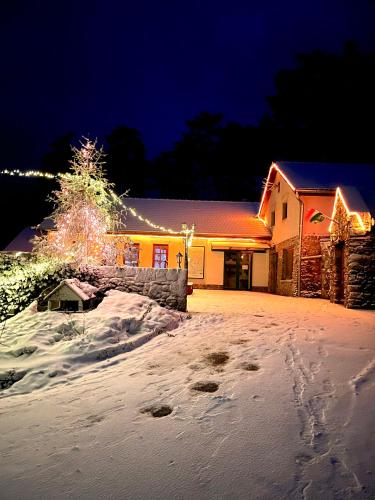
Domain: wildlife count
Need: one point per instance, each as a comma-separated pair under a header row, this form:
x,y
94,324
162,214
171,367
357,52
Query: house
x,y
229,249
311,235
333,258
71,295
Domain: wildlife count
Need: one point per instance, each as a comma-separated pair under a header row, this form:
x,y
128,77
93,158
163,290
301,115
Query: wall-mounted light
x,y
179,259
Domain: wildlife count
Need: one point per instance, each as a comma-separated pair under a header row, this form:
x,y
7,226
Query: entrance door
x,y
273,272
237,266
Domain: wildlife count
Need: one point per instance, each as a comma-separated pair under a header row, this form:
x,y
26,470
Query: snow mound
x,y
39,349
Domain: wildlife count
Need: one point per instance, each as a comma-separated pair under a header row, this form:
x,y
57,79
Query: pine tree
x,y
84,212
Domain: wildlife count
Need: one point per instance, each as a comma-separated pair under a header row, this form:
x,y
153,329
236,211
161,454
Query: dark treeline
x,y
322,110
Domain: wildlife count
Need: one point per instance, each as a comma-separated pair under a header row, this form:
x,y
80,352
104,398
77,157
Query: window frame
x,y
137,246
163,247
273,218
284,213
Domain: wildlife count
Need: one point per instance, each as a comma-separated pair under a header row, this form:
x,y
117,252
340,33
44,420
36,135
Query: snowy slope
x,y
48,348
301,426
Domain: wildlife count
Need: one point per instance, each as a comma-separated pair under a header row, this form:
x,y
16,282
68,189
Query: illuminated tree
x,y
84,212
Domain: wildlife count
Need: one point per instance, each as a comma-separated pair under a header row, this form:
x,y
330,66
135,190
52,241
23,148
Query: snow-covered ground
x,y
40,349
300,426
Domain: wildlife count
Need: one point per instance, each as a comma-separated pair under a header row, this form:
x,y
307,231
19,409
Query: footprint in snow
x,y
94,419
217,358
205,386
250,367
195,366
158,410
239,341
303,458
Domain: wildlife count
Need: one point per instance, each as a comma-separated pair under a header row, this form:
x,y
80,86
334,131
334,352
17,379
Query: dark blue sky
x,y
89,66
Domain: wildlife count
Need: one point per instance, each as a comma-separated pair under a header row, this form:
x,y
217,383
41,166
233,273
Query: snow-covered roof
x,y
359,180
354,199
216,218
85,291
21,243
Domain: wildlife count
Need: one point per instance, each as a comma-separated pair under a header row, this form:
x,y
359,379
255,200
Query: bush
x,y
23,279
27,277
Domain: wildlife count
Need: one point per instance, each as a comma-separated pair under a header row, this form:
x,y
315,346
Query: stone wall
x,y
311,267
286,287
165,286
354,284
360,272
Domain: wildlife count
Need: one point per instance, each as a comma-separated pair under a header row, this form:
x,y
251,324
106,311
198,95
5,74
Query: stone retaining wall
x,y
360,272
165,286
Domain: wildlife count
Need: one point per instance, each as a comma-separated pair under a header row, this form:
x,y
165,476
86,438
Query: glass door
x,y
237,266
244,271
230,270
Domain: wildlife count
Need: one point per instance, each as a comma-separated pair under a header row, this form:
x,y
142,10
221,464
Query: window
x,y
273,218
160,257
285,210
287,267
131,256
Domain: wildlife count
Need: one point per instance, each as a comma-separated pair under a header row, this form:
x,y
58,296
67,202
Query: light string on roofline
x,y
118,199
140,217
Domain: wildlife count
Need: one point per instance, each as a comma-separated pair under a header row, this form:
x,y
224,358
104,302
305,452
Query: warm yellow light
x,y
206,238
340,195
274,166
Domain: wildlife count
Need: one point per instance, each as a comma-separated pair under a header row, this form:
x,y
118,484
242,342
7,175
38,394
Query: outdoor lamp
x,y
179,259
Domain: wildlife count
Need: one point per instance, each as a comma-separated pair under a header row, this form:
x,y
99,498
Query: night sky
x,y
88,66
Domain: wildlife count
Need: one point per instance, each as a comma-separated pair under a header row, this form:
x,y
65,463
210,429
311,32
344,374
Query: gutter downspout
x,y
301,214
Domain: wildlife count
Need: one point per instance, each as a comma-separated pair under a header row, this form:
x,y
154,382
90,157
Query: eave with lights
x,y
360,221
275,245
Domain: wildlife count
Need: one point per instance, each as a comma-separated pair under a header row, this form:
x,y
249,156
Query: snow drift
x,y
45,348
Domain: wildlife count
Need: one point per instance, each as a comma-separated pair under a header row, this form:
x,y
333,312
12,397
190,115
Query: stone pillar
x,y
360,272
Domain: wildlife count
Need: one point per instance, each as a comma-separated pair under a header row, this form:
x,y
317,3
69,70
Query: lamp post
x,y
179,259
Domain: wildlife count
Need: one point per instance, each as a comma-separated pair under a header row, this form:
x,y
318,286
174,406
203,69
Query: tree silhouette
x,y
323,109
60,154
126,163
213,160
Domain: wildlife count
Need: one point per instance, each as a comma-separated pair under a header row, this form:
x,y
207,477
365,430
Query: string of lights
x,y
140,217
118,199
29,173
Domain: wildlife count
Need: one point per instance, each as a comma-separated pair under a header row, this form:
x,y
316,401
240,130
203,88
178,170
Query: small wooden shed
x,y
71,295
